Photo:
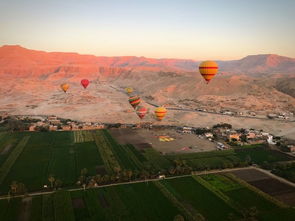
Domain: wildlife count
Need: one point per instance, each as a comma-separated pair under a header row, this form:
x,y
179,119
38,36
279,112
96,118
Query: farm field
x,y
52,153
245,199
79,156
230,158
153,200
269,185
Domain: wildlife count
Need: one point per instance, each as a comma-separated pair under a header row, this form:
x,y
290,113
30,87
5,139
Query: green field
x,y
31,157
230,158
156,200
52,153
244,199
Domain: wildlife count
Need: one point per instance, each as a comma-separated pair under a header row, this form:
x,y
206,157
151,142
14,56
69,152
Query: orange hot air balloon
x,y
85,83
208,69
134,101
141,111
160,112
64,87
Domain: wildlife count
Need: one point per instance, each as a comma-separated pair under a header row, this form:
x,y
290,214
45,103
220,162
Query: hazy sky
x,y
220,29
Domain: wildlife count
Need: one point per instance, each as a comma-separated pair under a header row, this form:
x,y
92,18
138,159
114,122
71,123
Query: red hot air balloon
x,y
141,111
85,83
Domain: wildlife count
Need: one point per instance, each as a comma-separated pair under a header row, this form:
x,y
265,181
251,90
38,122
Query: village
x,y
223,135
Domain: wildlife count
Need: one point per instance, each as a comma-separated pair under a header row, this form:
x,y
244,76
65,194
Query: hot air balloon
x,y
134,101
85,83
141,111
64,87
208,69
160,112
129,90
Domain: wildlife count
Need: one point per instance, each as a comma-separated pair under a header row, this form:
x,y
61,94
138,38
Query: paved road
x,y
193,110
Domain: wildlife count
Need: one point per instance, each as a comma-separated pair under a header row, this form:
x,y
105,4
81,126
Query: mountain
x,y
30,79
19,61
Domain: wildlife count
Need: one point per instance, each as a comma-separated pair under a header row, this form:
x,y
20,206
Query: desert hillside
x,y
30,85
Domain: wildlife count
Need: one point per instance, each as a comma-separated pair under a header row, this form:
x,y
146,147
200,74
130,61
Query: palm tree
x,y
57,183
129,174
51,179
84,172
172,170
178,218
21,188
13,187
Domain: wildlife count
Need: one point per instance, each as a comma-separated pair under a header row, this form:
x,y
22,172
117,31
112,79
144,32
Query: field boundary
x,y
218,193
256,190
190,215
7,165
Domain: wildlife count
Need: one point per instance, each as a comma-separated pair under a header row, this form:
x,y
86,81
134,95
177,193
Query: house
x,y
40,123
235,136
53,120
187,130
209,135
66,127
251,135
291,148
32,128
52,128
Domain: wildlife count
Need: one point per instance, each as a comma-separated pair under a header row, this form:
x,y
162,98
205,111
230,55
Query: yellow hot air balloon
x,y
64,87
208,69
129,90
160,112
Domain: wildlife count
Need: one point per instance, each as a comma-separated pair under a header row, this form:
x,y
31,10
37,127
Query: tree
x,y
129,174
21,188
15,125
244,138
13,187
51,179
248,159
57,183
84,172
178,218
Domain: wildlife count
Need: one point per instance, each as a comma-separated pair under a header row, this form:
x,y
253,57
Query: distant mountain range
x,y
19,61
30,84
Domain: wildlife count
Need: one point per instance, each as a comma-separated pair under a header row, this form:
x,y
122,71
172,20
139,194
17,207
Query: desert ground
x,y
102,103
182,143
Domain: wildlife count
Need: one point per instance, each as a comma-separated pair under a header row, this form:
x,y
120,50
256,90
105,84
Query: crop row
x,y
110,162
5,168
190,214
81,136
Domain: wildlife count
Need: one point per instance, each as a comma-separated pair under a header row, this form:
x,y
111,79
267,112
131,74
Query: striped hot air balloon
x,y
141,111
208,69
160,112
134,101
64,87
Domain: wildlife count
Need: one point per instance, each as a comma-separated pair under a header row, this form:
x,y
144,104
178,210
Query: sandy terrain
x,y
180,144
102,103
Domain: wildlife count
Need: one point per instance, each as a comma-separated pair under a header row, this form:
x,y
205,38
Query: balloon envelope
x,y
64,87
141,111
160,112
129,90
208,69
85,83
134,101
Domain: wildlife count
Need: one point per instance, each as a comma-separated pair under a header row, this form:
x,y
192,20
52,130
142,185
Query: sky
x,y
190,29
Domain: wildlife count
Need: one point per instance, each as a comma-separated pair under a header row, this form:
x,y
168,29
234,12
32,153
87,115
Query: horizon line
x,y
137,56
